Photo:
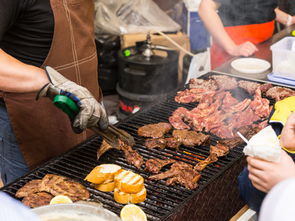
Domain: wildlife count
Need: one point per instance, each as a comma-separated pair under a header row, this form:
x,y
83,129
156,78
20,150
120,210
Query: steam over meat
x,y
34,200
58,185
28,188
249,86
190,138
225,82
155,165
179,173
154,130
279,93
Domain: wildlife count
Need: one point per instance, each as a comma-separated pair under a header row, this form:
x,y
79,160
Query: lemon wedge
x,y
60,199
132,212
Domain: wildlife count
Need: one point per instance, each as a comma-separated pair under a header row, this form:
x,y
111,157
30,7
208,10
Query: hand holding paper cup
x,y
264,145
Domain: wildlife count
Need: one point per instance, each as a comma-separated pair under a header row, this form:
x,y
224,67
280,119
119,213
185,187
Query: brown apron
x,y
42,130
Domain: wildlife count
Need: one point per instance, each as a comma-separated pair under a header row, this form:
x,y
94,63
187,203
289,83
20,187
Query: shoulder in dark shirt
x,y
26,29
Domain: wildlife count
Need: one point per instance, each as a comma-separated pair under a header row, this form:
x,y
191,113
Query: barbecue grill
x,y
216,197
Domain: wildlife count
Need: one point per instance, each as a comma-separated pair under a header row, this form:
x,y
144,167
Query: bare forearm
x,y
284,18
16,76
213,23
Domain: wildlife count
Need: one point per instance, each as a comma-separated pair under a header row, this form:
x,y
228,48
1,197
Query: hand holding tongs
x,y
111,135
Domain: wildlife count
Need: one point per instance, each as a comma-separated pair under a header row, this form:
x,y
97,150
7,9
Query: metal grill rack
x,y
216,197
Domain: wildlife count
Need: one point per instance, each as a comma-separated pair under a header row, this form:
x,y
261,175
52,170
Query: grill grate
x,y
162,202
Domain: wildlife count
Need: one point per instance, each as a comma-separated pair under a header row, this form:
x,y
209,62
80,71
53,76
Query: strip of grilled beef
x,y
154,130
279,93
180,173
131,155
34,200
32,186
155,165
190,138
208,85
225,82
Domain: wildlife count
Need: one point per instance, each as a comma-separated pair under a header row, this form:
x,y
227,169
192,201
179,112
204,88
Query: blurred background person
x,y
237,25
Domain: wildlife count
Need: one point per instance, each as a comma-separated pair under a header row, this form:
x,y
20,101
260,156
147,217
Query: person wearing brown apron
x,y
238,25
35,34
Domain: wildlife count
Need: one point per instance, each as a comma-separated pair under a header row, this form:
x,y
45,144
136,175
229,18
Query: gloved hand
x,y
92,113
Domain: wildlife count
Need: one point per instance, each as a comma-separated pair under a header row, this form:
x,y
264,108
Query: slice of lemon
x,y
60,199
132,212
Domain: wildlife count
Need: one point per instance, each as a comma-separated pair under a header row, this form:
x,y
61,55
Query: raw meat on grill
x,y
180,173
154,130
190,138
132,156
29,188
155,165
225,82
279,93
34,200
59,185
249,86
208,85
178,117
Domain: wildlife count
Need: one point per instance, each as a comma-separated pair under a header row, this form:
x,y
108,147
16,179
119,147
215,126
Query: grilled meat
x,y
155,165
249,86
216,151
37,199
279,93
29,188
190,138
59,185
161,143
180,173
132,156
155,143
154,130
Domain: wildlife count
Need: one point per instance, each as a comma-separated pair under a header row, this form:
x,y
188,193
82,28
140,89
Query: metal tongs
x,y
112,135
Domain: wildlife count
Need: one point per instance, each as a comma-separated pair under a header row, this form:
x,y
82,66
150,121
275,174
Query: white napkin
x,y
264,145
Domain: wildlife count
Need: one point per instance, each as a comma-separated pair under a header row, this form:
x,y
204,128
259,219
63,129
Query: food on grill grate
x,y
125,198
107,186
179,173
129,182
152,143
155,165
279,93
251,87
131,155
225,82
154,130
102,173
40,192
161,143
34,200
192,95
208,85
216,151
29,188
59,185
190,138
222,114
